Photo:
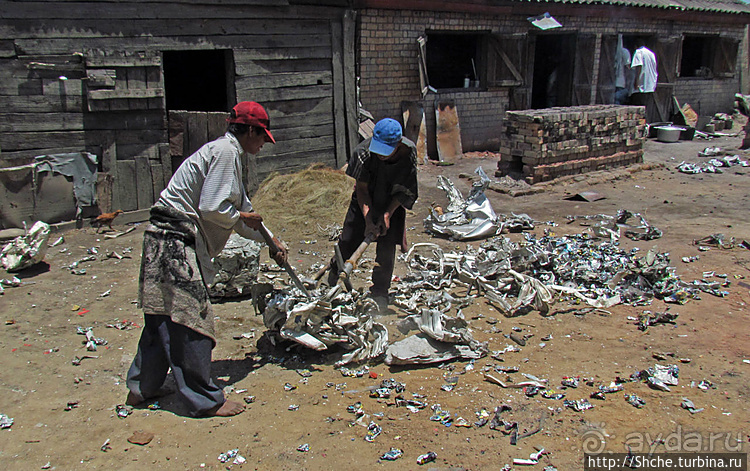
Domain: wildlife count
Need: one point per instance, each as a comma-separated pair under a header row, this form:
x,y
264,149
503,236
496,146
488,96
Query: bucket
x,y
668,133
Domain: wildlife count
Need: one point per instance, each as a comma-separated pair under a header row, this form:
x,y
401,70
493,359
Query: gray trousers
x,y
165,344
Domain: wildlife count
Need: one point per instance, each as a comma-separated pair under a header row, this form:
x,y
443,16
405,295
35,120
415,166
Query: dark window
x,y
708,56
198,80
452,58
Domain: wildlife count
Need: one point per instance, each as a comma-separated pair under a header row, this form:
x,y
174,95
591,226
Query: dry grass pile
x,y
303,201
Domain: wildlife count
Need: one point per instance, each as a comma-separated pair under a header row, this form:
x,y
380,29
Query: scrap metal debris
x,y
27,250
517,278
688,404
714,165
332,317
606,226
5,421
465,219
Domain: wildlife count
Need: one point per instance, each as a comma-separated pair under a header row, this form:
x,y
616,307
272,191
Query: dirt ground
x,y
64,413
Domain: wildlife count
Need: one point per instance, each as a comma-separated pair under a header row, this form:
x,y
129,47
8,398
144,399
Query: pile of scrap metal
x,y
471,218
534,275
336,317
328,317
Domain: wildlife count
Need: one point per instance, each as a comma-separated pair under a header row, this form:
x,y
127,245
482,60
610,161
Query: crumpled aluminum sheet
x,y
26,250
465,219
535,274
330,317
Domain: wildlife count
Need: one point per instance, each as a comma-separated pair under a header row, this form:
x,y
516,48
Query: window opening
x,y
708,56
198,80
453,59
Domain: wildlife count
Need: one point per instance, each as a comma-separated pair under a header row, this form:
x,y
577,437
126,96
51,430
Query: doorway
x,y
554,59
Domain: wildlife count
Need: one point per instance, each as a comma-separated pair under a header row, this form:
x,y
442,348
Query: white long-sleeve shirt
x,y
207,187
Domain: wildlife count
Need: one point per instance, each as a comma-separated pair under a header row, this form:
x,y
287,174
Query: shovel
x,y
351,262
288,268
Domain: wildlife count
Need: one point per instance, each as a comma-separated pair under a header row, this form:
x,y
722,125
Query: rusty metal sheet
x,y
415,128
448,131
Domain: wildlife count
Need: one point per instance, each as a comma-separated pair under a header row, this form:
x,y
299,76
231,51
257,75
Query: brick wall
x,y
545,144
389,73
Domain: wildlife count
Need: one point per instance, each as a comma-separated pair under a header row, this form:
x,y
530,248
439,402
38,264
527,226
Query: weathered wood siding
x,y
81,75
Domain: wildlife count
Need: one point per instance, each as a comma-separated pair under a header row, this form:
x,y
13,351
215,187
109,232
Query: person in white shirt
x,y
190,224
623,74
646,76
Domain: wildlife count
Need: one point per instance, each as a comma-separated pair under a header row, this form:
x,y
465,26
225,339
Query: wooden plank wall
x,y
110,100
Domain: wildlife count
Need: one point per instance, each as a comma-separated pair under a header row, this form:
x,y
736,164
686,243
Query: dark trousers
x,y
647,100
165,344
353,234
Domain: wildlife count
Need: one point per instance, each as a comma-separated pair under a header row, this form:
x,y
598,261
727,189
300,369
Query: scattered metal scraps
x,y
714,165
716,240
688,404
648,319
392,454
5,421
635,401
123,410
427,457
606,226
519,278
533,458
232,455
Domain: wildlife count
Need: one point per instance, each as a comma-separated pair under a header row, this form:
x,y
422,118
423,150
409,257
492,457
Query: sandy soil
x,y
64,413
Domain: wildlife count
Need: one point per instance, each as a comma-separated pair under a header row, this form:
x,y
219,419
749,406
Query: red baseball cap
x,y
252,114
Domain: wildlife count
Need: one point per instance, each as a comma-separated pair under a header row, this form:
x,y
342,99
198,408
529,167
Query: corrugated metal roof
x,y
719,6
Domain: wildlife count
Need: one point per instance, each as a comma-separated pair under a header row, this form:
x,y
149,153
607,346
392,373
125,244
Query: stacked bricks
x,y
549,143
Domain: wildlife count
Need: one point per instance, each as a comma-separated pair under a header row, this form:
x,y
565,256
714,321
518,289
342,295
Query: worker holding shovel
x,y
189,225
385,169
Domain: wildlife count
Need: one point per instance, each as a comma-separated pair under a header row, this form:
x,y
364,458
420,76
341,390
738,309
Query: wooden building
x,y
142,84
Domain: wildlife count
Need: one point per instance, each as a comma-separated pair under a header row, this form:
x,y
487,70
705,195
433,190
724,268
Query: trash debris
x,y
648,319
373,431
716,240
91,342
5,421
232,455
123,410
533,458
426,458
392,454
105,446
27,250
606,226
579,406
304,448
714,165
635,401
688,404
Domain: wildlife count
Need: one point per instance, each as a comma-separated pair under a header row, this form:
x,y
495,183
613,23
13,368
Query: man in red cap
x,y
189,225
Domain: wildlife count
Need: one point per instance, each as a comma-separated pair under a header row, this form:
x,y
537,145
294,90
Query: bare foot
x,y
133,399
228,409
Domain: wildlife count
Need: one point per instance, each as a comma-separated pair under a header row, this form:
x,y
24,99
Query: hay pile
x,y
302,202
